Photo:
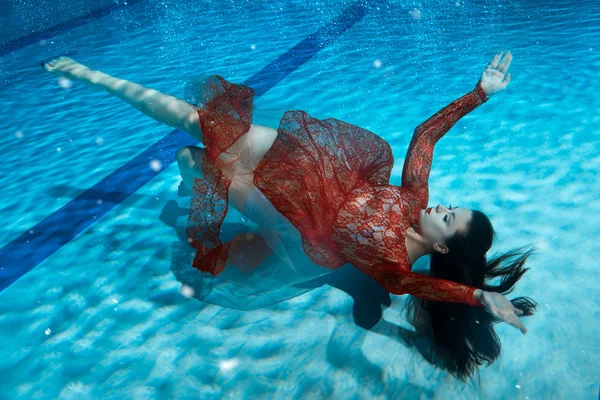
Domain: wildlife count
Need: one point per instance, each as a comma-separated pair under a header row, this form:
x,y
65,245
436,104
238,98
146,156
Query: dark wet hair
x,y
466,333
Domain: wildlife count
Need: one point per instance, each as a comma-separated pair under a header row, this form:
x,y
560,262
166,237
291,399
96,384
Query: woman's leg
x,y
166,109
189,161
247,151
190,168
163,108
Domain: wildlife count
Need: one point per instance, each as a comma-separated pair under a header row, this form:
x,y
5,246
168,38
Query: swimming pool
x,y
102,317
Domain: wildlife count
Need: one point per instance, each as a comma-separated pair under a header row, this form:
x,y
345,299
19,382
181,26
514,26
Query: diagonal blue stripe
x,y
60,28
44,239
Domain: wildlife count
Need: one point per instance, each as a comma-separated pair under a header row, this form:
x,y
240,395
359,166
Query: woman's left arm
x,y
397,279
417,163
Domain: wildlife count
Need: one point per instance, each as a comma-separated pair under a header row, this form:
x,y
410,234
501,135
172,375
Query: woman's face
x,y
437,224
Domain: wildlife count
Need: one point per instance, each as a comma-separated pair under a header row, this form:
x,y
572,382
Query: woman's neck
x,y
416,245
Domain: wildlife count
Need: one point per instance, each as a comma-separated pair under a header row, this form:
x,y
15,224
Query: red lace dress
x,y
330,180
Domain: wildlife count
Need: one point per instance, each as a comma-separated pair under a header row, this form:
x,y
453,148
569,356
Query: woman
x,y
330,181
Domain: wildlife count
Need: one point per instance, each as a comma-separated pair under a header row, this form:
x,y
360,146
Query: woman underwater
x,y
330,181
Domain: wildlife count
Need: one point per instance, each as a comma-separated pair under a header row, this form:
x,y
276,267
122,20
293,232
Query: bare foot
x,y
64,66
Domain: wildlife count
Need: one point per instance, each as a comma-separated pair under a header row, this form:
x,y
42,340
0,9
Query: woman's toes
x,y
61,65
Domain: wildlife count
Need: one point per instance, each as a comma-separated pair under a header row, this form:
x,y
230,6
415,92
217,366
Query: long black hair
x,y
466,333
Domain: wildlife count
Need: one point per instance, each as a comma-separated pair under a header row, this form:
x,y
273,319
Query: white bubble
x,y
58,149
99,201
47,331
187,291
377,63
64,82
19,135
115,301
415,13
253,47
457,4
99,141
518,386
228,365
156,165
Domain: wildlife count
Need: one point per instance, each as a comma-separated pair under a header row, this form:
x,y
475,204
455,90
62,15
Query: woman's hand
x,y
494,78
501,308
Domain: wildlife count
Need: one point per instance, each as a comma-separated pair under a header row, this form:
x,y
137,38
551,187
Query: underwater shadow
x,y
343,350
344,347
370,299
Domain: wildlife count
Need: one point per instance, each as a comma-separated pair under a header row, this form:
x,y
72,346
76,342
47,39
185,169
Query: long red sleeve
x,y
417,164
397,280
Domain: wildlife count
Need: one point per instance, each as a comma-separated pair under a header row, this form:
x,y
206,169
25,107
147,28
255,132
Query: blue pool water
x,y
103,317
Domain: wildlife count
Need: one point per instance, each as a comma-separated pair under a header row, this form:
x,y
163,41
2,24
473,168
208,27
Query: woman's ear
x,y
440,248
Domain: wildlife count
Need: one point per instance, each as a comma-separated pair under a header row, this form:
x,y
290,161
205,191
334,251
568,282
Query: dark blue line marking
x,y
44,239
60,28
279,69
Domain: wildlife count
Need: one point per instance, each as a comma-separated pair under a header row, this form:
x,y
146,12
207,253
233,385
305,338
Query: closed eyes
x,y
446,216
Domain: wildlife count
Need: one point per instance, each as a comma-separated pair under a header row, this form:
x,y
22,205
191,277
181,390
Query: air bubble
x,y
187,291
415,13
155,165
64,82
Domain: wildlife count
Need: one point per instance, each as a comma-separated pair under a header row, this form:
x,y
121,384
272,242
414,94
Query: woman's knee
x,y
189,155
183,154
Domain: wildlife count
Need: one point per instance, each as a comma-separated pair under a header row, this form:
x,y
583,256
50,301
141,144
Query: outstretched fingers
x,y
505,63
513,320
518,311
516,322
494,63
